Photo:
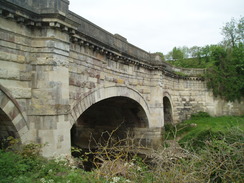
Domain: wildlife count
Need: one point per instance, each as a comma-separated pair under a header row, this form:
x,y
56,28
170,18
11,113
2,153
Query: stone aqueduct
x,y
63,78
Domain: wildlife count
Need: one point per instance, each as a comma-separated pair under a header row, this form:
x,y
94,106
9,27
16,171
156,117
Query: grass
x,y
201,127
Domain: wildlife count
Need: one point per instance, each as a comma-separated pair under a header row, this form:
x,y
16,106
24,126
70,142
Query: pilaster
x,y
48,112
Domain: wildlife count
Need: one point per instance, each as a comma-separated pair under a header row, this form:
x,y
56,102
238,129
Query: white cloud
x,y
159,25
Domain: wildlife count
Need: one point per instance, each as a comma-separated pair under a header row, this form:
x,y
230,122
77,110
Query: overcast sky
x,y
159,25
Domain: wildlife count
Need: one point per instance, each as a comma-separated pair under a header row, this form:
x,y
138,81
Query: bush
x,y
222,159
9,143
219,158
197,141
10,166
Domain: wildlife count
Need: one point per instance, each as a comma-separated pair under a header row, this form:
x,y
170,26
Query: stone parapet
x,y
40,6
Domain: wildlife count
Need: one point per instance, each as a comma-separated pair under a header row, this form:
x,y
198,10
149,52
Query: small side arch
x,y
104,93
12,120
168,108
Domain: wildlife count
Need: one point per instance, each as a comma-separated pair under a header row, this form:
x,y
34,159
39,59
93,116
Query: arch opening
x,y
116,115
12,121
6,126
167,111
7,129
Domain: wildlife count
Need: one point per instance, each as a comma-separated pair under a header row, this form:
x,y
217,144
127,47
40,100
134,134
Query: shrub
x,y
9,143
31,150
11,165
197,141
222,159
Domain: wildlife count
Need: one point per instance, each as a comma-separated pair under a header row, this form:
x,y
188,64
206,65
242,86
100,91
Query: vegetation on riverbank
x,y
211,150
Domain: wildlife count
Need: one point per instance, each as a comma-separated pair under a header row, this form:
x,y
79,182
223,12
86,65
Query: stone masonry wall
x,y
15,71
90,70
191,96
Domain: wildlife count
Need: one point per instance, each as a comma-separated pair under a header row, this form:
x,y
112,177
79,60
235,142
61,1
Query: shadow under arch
x,y
105,110
168,110
104,93
12,121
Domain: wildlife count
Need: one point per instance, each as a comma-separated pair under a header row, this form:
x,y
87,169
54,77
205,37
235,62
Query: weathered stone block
x,y
18,92
25,75
46,123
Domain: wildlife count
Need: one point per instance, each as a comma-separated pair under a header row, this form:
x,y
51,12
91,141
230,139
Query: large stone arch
x,y
12,120
168,108
104,93
117,108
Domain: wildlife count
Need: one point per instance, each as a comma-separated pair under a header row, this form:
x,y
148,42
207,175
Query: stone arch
x,y
168,108
108,92
118,108
12,120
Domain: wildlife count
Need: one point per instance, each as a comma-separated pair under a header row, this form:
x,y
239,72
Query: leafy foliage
x,y
226,76
233,32
15,168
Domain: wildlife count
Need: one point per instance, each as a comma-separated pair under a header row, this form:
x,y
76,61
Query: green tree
x,y
186,51
195,51
226,77
233,32
177,53
238,59
206,52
